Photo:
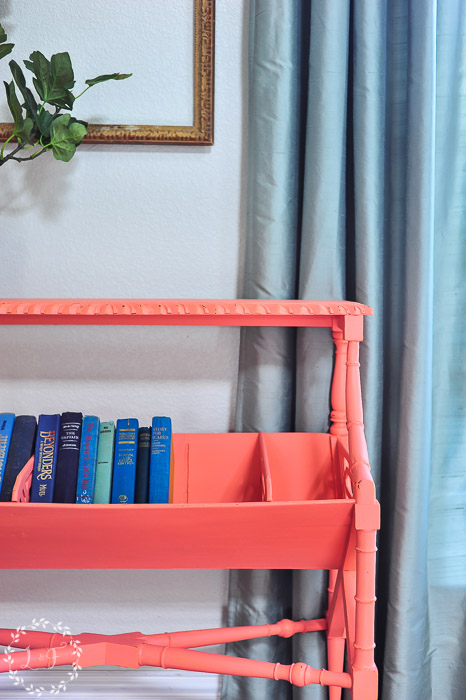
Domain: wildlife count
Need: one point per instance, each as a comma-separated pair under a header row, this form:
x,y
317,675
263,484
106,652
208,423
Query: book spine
x,y
87,460
124,464
141,494
69,443
21,450
161,458
6,428
45,458
105,451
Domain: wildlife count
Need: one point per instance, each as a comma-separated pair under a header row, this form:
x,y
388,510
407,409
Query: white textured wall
x,y
125,221
151,40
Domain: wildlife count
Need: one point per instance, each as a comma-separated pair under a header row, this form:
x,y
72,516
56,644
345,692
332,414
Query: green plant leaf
x,y
62,71
6,48
65,134
41,69
61,120
104,78
44,121
77,131
30,104
13,103
79,121
22,127
62,146
65,101
25,133
53,79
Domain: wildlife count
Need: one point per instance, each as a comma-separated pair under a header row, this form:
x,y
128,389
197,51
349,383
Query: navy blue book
x,y
87,460
21,450
141,494
45,458
161,460
6,428
124,463
69,443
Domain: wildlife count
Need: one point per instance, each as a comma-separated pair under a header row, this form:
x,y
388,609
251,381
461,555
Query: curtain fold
x,y
278,40
357,190
407,660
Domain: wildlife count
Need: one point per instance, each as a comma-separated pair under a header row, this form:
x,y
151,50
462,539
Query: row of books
x,y
82,460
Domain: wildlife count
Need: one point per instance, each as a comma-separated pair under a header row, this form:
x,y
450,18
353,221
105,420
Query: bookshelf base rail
x,y
169,650
176,650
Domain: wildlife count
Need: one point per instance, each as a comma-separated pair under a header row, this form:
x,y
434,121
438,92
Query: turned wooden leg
x,y
367,522
335,642
335,661
338,425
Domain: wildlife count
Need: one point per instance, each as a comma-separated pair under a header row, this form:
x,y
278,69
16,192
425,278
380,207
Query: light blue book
x,y
6,428
124,461
161,460
104,469
87,459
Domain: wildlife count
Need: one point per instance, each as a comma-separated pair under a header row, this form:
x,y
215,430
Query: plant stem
x,y
82,93
10,155
38,153
3,147
33,157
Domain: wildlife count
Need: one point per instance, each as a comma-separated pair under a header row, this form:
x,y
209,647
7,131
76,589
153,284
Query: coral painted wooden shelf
x,y
241,500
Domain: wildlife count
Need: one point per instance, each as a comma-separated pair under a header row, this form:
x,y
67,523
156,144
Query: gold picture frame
x,y
201,132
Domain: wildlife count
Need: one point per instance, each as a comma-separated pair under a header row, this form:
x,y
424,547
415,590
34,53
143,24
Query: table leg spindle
x,y
367,522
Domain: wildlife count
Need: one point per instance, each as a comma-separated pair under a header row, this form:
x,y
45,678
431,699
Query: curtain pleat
x,y
322,270
406,659
447,520
266,381
357,190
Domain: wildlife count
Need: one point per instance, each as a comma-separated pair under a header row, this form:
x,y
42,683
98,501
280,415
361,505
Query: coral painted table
x,y
241,500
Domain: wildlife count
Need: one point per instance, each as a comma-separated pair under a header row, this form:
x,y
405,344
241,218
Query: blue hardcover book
x,y
45,458
69,442
87,459
141,494
21,450
161,460
124,464
6,428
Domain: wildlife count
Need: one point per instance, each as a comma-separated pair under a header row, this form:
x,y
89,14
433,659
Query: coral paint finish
x,y
241,500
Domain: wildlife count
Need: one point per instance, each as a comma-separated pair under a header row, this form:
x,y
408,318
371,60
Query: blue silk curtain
x,y
357,190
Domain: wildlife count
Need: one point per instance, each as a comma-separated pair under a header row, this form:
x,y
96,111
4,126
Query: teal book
x,y
45,458
104,469
124,462
141,494
6,428
161,460
87,460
